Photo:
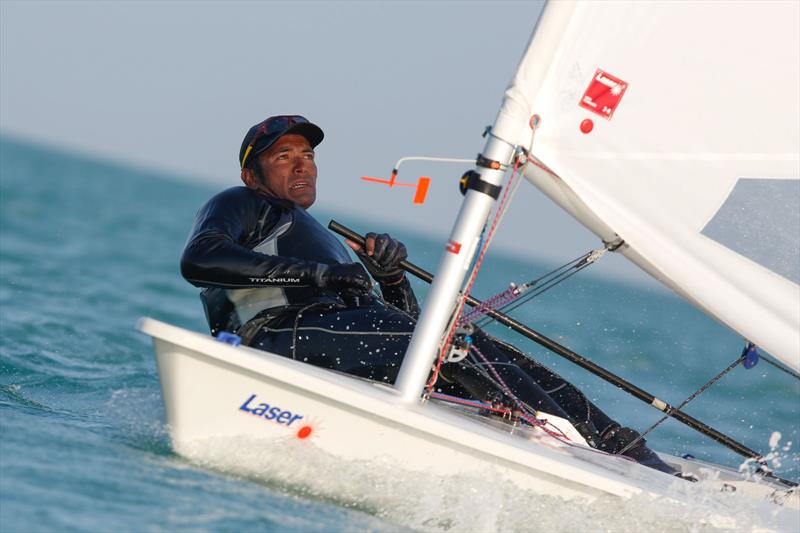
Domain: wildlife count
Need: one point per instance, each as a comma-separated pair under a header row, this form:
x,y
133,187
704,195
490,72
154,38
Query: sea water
x,y
87,247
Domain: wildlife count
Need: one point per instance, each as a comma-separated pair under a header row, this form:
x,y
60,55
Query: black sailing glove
x,y
384,263
345,278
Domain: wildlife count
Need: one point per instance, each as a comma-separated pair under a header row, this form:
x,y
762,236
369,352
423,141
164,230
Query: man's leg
x,y
369,342
486,379
595,426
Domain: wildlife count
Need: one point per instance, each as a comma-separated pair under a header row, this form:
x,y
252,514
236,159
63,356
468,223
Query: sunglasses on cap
x,y
272,127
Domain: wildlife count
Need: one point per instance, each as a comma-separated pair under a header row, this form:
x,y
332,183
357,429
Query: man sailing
x,y
277,278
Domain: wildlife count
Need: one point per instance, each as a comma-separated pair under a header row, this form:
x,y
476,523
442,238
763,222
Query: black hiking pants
x,y
371,341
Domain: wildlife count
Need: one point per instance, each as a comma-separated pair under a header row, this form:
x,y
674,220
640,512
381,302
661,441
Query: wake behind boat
x,y
651,153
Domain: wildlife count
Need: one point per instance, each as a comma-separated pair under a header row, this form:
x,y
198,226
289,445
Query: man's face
x,y
288,171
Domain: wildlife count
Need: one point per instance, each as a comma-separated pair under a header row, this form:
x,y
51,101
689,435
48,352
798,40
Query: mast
x,y
462,245
459,251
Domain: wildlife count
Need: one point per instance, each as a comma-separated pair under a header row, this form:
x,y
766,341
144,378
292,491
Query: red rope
x,y
472,279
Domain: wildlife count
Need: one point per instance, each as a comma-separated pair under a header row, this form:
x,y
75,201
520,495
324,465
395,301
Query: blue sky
x,y
174,86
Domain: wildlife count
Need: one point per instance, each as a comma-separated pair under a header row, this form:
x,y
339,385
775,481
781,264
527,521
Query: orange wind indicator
x,y
422,185
422,189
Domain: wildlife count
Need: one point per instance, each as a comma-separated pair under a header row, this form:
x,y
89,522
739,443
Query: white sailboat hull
x,y
212,390
207,384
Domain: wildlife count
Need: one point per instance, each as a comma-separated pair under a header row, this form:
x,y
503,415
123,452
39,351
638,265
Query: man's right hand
x,y
346,278
382,255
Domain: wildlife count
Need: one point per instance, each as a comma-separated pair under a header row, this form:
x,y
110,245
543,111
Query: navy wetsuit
x,y
260,260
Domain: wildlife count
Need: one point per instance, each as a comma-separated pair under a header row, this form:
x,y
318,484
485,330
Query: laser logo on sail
x,y
603,94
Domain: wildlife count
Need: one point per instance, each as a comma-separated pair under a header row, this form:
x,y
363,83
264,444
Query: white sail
x,y
686,147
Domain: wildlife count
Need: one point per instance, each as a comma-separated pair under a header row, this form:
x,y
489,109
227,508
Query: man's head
x,y
277,158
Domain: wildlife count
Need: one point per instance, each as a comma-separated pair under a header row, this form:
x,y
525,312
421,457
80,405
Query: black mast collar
x,y
472,180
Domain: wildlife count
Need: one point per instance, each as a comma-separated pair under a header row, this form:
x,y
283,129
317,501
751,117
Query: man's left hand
x,y
382,255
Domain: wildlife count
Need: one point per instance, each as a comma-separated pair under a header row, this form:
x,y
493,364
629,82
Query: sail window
x,y
761,220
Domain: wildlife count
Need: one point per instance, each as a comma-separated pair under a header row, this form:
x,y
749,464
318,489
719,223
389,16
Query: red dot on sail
x,y
587,125
304,432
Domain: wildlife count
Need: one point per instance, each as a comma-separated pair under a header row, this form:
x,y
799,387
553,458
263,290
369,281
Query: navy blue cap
x,y
265,133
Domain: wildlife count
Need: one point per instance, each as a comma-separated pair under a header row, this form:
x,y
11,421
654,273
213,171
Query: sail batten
x,y
677,128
